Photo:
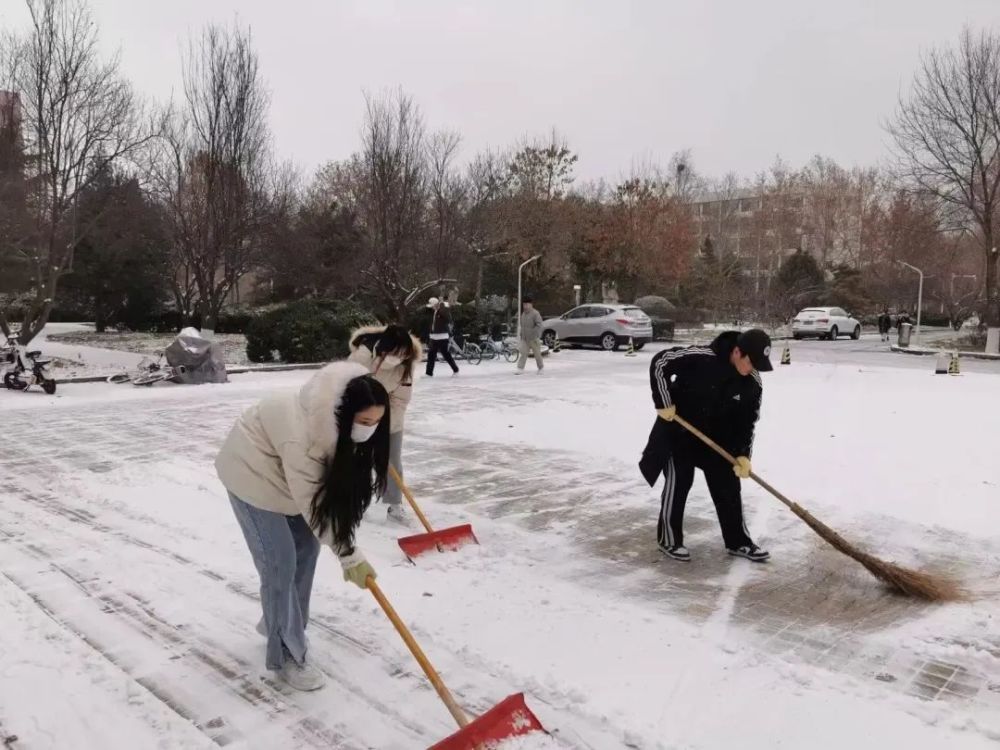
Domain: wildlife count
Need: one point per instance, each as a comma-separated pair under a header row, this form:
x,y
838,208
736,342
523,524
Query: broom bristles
x,y
915,583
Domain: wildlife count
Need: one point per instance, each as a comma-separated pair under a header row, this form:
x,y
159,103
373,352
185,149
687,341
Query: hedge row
x,y
305,331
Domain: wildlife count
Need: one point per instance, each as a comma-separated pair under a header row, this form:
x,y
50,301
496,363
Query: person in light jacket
x,y
389,353
300,468
530,336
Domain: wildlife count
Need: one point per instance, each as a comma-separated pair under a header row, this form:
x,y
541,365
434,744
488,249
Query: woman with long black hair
x,y
389,353
301,468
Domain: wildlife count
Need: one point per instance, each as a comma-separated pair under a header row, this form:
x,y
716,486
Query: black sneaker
x,y
750,552
676,552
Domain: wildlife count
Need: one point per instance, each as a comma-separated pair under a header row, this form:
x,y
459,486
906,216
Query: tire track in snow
x,y
51,613
333,635
228,669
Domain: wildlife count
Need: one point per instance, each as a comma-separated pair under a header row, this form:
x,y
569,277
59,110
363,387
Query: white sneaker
x,y
751,552
398,515
304,677
677,552
519,372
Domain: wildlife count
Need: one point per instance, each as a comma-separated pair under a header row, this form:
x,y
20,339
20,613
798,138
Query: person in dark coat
x,y
440,336
718,390
884,324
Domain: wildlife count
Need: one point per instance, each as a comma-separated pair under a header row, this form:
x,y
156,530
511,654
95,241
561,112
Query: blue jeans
x,y
284,550
393,495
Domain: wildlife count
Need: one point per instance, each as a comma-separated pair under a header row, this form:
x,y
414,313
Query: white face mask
x,y
361,433
391,360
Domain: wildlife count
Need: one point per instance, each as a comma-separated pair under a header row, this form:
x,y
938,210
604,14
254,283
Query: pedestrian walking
x,y
440,336
718,390
301,468
530,338
884,324
389,353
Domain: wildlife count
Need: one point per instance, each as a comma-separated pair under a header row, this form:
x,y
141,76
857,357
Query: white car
x,y
825,323
608,326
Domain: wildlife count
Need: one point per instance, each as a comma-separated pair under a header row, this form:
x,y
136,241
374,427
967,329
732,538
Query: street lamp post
x,y
920,294
520,270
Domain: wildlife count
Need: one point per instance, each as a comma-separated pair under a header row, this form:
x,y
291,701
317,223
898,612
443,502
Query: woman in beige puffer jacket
x,y
301,468
390,354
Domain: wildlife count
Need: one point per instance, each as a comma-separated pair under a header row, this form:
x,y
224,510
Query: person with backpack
x,y
717,389
389,353
300,468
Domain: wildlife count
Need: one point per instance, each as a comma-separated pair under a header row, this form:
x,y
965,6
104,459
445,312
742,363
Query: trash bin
x,y
904,334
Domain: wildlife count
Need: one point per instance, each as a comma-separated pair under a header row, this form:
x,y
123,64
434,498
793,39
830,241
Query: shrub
x,y
305,331
663,329
933,319
689,315
656,307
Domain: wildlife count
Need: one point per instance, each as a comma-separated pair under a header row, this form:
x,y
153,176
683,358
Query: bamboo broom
x,y
915,583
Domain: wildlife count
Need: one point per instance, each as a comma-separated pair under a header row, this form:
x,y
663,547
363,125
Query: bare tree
x,y
448,192
390,194
947,133
78,116
213,170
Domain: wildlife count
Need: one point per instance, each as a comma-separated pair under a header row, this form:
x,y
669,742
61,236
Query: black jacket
x,y
709,393
441,320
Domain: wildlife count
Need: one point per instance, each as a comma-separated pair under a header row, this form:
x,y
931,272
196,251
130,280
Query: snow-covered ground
x,y
82,361
128,599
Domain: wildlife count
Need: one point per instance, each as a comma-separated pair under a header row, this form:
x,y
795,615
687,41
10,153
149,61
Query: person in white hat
x,y
440,335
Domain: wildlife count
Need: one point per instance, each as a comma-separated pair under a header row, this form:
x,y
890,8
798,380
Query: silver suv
x,y
608,326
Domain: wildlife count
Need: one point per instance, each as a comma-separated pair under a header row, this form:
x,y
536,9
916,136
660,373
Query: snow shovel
x,y
914,583
509,718
445,539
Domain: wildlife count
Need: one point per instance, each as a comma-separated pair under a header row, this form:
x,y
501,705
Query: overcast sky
x,y
736,81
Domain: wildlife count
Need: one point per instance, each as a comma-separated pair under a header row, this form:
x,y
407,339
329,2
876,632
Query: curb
x,y
929,352
230,370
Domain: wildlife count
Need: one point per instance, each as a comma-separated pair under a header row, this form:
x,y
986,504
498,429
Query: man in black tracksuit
x,y
718,390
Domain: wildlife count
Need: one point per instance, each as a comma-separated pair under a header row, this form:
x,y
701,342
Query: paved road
x,y
871,351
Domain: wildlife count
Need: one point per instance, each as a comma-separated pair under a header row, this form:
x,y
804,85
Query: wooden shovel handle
x,y
726,455
409,498
453,708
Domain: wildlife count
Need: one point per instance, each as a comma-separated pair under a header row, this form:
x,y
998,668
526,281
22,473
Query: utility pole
x,y
920,294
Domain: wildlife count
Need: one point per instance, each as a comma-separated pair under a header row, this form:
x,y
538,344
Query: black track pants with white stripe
x,y
724,487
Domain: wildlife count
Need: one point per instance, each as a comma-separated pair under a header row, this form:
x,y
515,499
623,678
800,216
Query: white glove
x,y
742,468
357,569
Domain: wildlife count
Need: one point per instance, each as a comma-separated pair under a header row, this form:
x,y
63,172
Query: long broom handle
x,y
795,507
453,708
410,499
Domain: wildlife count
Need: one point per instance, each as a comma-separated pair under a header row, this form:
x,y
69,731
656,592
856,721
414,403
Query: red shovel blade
x,y
442,539
509,718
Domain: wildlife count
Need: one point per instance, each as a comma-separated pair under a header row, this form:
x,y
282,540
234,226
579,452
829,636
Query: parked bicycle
x,y
461,348
26,369
491,348
147,373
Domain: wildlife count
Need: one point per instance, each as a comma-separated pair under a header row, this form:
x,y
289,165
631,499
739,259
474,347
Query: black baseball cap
x,y
757,345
